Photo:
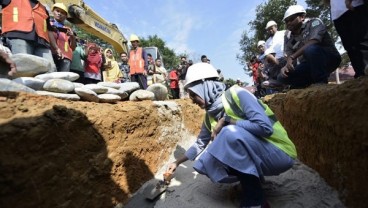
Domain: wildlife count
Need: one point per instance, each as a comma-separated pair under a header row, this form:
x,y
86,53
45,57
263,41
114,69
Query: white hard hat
x,y
294,9
200,71
133,37
270,23
261,42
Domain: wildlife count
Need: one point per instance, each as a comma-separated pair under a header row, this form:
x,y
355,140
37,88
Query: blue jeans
x,y
140,79
28,47
62,65
316,68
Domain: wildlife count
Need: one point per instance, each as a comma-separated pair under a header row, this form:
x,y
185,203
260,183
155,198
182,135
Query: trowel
x,y
154,190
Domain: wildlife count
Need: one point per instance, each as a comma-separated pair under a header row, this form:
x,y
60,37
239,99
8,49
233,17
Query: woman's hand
x,y
218,127
69,32
171,168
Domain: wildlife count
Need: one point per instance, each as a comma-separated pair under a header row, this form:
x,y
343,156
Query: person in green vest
x,y
240,139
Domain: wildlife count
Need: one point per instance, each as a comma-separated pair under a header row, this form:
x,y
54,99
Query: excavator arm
x,y
85,18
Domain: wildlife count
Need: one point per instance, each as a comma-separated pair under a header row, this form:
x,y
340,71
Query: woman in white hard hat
x,y
247,140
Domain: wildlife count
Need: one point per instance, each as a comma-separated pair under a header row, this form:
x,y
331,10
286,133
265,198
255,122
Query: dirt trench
x,y
56,153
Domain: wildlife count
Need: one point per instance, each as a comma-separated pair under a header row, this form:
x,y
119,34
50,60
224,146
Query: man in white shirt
x,y
274,52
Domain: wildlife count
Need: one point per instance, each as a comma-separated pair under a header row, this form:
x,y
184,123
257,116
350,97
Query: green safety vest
x,y
231,103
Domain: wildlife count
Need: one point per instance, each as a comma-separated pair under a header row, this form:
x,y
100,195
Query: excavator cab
x,y
155,53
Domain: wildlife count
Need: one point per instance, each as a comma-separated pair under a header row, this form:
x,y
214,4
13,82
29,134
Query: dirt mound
x,y
328,124
56,153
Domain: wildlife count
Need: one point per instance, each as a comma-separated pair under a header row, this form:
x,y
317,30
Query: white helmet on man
x,y
200,71
294,9
261,42
270,23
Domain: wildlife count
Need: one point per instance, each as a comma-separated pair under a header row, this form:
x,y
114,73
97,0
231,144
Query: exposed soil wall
x,y
328,124
56,153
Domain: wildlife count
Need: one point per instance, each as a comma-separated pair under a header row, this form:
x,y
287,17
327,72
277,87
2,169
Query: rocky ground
x,y
57,153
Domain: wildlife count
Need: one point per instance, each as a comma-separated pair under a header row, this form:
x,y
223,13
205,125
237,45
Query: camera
x,y
60,29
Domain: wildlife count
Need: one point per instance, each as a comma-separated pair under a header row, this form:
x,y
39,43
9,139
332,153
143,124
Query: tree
x,y
169,56
271,10
248,47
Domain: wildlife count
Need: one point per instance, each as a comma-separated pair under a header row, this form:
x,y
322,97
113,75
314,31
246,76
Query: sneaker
x,y
272,84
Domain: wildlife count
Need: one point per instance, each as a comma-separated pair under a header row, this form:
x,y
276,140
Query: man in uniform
x,y
311,53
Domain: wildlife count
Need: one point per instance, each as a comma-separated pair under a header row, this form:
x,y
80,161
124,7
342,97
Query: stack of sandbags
x,y
35,74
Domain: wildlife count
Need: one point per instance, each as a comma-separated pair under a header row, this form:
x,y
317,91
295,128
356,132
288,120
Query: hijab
x,y
106,57
210,91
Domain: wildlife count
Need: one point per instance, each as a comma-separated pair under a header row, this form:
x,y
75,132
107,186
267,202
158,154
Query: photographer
x,y
64,37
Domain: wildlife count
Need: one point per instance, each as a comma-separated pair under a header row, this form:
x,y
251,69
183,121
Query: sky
x,y
194,27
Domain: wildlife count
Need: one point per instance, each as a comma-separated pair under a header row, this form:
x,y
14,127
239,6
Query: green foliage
x,y
169,56
271,10
248,47
229,82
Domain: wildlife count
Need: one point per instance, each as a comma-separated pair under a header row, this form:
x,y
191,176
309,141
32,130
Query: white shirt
x,y
338,7
275,44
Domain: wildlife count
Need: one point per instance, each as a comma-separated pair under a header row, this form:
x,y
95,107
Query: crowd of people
x,y
247,141
51,39
305,53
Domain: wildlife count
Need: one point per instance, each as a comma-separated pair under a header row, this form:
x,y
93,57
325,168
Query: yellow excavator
x,y
85,18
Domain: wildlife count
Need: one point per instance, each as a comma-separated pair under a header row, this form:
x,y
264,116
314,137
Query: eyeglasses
x,y
123,56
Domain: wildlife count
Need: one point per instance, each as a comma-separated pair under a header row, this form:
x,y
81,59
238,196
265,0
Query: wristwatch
x,y
227,119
